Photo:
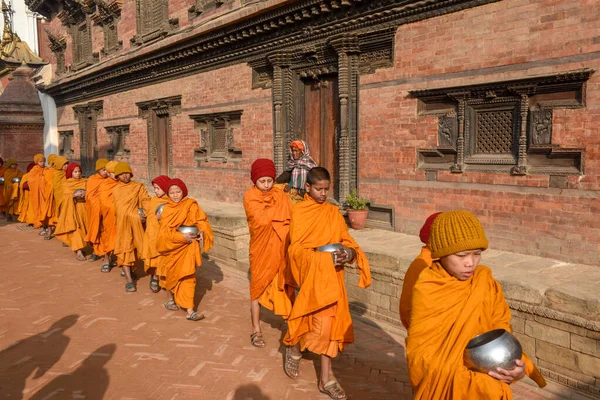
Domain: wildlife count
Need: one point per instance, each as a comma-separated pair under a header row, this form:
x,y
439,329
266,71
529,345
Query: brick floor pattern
x,y
67,331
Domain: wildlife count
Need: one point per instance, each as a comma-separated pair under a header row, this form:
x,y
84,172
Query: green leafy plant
x,y
354,202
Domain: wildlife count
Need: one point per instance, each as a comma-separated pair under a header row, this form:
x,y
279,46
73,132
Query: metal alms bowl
x,y
490,350
79,192
159,209
1,180
188,229
330,248
16,180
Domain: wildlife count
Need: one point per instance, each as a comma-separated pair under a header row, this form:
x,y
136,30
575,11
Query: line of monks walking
x,y
298,254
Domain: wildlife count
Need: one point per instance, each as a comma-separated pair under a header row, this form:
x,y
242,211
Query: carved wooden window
x,y
203,6
58,45
107,16
87,116
82,45
117,149
216,136
65,147
503,126
152,20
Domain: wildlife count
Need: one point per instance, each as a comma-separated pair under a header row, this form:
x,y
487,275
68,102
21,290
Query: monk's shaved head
x,y
317,174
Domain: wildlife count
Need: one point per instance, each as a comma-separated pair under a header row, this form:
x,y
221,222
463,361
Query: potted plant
x,y
357,210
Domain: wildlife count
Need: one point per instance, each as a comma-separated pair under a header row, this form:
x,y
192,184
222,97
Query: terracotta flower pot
x,y
357,218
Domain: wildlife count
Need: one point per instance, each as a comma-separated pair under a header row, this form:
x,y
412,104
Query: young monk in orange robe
x,y
108,229
455,300
268,211
50,214
71,228
149,253
320,320
37,192
181,253
93,213
422,261
58,180
10,200
129,197
2,169
26,212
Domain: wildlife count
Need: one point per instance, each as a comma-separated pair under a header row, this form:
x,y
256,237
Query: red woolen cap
x,y
163,182
426,229
179,183
261,168
70,168
30,166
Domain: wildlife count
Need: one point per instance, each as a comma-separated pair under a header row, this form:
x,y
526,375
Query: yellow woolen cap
x,y
110,166
51,159
37,158
122,168
59,161
101,163
456,231
10,162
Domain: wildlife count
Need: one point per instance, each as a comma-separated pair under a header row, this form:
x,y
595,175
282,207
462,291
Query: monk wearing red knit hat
x,y
268,210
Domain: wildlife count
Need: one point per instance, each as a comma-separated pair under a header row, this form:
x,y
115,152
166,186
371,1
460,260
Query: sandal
x,y
291,366
80,258
171,305
195,316
333,390
105,268
93,258
154,285
130,287
257,340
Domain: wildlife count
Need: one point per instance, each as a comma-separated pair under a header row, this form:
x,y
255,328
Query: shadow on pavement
x,y
249,391
36,353
89,381
206,276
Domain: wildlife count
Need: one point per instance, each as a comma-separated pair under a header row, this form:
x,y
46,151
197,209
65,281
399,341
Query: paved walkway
x,y
69,332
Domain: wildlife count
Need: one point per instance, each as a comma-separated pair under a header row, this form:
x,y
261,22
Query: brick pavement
x,y
69,332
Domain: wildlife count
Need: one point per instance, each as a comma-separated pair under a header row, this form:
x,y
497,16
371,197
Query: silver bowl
x,y
79,192
188,229
1,180
141,213
330,248
159,208
16,180
494,349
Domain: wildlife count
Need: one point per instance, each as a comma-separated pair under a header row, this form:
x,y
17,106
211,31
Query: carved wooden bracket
x,y
216,136
203,6
503,126
118,149
58,45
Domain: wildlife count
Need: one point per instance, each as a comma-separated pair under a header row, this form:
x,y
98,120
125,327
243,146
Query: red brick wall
x,y
500,41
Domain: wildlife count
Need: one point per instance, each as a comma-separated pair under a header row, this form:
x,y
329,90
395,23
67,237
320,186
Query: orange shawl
x,y
10,189
178,258
2,201
268,217
422,261
71,227
92,210
50,213
314,225
37,194
108,229
25,211
149,252
446,314
128,197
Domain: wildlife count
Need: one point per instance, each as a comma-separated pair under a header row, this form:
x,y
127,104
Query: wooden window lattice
x,y
494,132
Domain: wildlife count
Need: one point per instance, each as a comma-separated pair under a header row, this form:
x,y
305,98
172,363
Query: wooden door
x,y
160,133
321,113
88,158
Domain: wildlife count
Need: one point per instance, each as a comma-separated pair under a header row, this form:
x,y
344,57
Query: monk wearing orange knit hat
x,y
11,201
320,319
26,211
92,207
108,229
53,208
181,253
268,210
151,257
129,197
37,192
455,300
422,261
72,221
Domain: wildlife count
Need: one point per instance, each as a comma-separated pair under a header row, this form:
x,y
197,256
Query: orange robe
x,y
58,181
422,261
2,201
71,228
272,282
108,229
11,191
179,259
446,314
24,210
37,194
320,318
149,252
51,216
128,198
93,212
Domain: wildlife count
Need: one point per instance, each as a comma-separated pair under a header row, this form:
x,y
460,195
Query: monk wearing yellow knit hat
x,y
50,217
108,230
92,207
129,197
10,201
37,192
455,300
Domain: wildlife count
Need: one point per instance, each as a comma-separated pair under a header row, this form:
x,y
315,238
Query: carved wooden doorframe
x,y
87,117
286,95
